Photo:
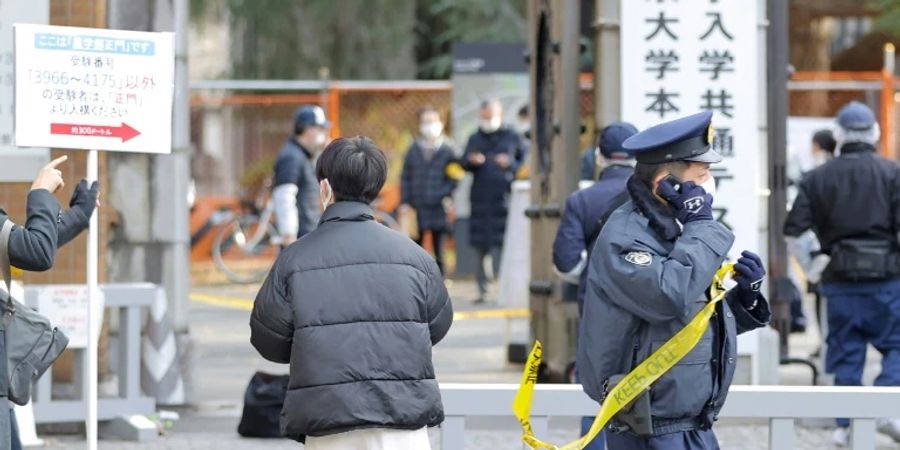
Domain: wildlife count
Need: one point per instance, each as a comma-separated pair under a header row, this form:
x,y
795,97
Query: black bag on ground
x,y
263,401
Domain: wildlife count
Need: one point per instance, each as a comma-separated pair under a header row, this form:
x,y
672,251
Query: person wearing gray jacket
x,y
354,307
648,277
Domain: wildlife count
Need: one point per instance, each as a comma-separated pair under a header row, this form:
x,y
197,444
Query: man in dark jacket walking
x,y
428,180
354,308
295,190
493,155
852,203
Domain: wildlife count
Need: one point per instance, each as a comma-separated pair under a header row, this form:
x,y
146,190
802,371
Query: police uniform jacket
x,y
647,279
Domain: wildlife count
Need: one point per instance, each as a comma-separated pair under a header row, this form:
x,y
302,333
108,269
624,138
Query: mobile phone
x,y
672,181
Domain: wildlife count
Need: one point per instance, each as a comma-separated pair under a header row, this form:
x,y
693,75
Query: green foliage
x,y
889,19
372,39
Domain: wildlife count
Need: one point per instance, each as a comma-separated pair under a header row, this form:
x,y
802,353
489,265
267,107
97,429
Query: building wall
x,y
70,261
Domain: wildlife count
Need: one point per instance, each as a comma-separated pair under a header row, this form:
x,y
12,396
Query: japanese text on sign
x,y
94,89
680,58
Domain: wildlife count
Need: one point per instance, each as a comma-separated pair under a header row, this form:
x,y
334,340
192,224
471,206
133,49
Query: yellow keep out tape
x,y
634,384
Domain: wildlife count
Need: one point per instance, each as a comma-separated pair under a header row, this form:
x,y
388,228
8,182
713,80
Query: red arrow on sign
x,y
123,131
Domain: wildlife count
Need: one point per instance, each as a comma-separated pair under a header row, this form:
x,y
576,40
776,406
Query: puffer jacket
x,y
355,308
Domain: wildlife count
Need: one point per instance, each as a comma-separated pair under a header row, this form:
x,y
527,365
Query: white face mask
x,y
320,138
327,197
709,186
491,125
431,130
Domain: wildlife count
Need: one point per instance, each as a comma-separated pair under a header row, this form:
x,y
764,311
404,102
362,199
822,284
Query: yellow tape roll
x,y
632,385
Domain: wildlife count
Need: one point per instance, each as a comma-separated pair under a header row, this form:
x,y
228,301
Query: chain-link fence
x,y
236,137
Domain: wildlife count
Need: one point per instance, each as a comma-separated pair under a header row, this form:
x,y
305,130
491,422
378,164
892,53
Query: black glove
x,y
691,202
749,275
77,218
84,198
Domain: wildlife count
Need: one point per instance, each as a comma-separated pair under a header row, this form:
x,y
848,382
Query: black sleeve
x,y
406,177
800,217
33,247
747,320
71,223
470,148
440,310
271,321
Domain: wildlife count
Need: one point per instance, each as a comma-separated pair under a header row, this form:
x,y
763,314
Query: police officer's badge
x,y
639,258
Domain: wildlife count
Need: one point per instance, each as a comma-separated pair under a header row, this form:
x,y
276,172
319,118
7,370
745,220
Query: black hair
x,y
355,167
523,111
427,109
646,173
825,140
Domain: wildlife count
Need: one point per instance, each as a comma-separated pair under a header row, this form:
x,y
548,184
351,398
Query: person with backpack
x,y
32,247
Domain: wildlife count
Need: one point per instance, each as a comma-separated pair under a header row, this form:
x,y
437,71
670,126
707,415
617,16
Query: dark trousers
x,y
684,440
14,430
437,241
480,275
860,314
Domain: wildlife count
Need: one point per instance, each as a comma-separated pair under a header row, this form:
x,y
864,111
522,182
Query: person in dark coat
x,y
354,307
47,227
493,155
428,180
851,203
583,217
295,189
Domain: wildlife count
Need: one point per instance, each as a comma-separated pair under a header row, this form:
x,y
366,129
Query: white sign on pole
x,y
680,58
18,165
65,305
88,88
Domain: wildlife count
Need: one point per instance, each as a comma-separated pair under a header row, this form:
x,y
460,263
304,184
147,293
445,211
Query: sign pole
x,y
93,320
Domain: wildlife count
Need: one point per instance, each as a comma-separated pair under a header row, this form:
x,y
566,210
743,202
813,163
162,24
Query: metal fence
x,y
781,405
238,126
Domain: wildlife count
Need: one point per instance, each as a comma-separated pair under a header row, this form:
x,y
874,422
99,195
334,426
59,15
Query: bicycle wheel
x,y
238,255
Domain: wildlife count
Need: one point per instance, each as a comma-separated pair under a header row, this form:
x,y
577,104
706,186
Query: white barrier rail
x,y
780,404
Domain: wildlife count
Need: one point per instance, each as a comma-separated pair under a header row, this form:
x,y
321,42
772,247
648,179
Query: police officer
x,y
296,190
581,220
852,203
584,216
32,246
649,275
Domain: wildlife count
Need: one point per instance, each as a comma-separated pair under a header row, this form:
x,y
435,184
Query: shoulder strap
x,y
616,202
4,254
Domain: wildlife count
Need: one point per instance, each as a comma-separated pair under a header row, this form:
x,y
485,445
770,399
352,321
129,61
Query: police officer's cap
x,y
612,137
684,139
856,116
309,115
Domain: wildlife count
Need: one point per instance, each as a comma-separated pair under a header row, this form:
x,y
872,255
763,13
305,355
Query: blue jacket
x,y
490,185
424,184
647,279
294,166
579,226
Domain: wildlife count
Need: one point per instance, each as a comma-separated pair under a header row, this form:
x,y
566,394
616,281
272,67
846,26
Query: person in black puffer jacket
x,y
355,308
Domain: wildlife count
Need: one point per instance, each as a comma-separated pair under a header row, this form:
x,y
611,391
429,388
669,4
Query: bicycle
x,y
246,246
